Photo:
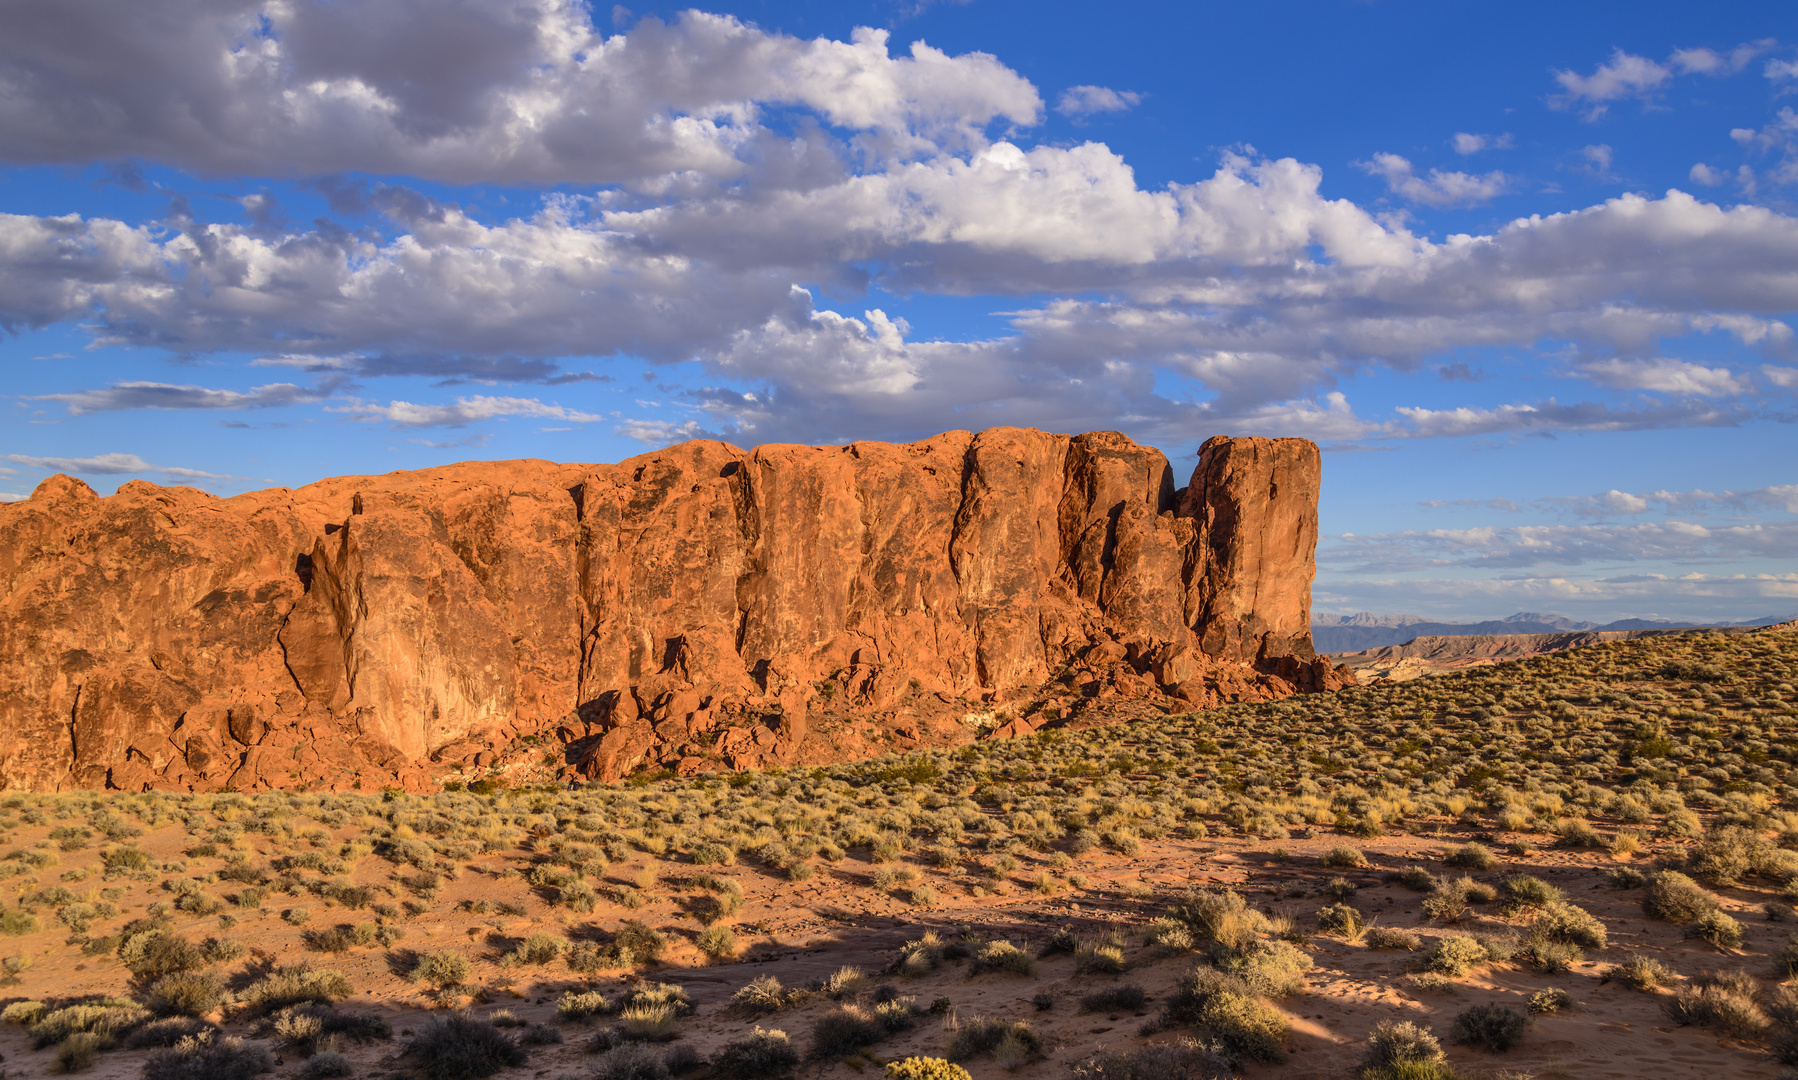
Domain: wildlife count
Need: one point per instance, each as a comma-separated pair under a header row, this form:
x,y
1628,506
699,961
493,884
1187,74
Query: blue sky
x,y
1527,272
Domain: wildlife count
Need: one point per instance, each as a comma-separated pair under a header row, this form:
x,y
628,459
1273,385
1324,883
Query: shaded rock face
x,y
698,607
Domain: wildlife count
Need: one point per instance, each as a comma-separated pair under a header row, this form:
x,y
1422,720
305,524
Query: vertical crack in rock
x,y
700,606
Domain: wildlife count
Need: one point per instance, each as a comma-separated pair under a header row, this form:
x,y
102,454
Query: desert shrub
x,y
844,1030
326,1065
1781,1010
1125,998
442,969
1224,1007
635,945
578,1005
1718,929
107,1018
1223,922
1186,1059
24,1013
1011,1042
1639,972
670,995
1728,1008
1000,956
1625,877
208,1056
1454,955
1726,855
761,1056
295,985
1415,878
1552,957
77,1053
1273,968
1340,889
1522,892
631,1061
1576,832
539,948
167,1032
843,982
1391,937
1340,919
1342,856
1395,1044
923,1068
1569,923
1472,857
16,922
1163,933
461,1047
1553,999
1785,959
539,1035
1492,1028
1099,957
1064,940
717,942
186,994
151,954
1674,897
764,995
649,1022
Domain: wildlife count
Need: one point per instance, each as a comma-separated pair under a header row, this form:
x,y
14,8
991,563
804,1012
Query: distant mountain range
x,y
1365,630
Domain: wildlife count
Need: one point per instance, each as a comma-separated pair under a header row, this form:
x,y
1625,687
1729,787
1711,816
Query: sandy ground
x,y
805,931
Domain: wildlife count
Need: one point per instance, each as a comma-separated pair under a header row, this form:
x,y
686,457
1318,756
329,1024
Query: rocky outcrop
x,y
698,607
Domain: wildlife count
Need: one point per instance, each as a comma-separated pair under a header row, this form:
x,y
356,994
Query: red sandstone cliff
x,y
699,606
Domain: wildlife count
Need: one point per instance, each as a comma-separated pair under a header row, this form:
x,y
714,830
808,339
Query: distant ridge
x,y
1365,630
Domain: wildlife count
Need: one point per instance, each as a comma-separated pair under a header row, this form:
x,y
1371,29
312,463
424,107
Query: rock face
x,y
698,607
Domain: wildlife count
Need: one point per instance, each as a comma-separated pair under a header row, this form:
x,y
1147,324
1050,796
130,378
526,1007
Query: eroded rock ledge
x,y
699,607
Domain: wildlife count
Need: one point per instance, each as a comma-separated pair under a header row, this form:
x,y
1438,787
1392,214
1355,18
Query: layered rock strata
x,y
698,607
